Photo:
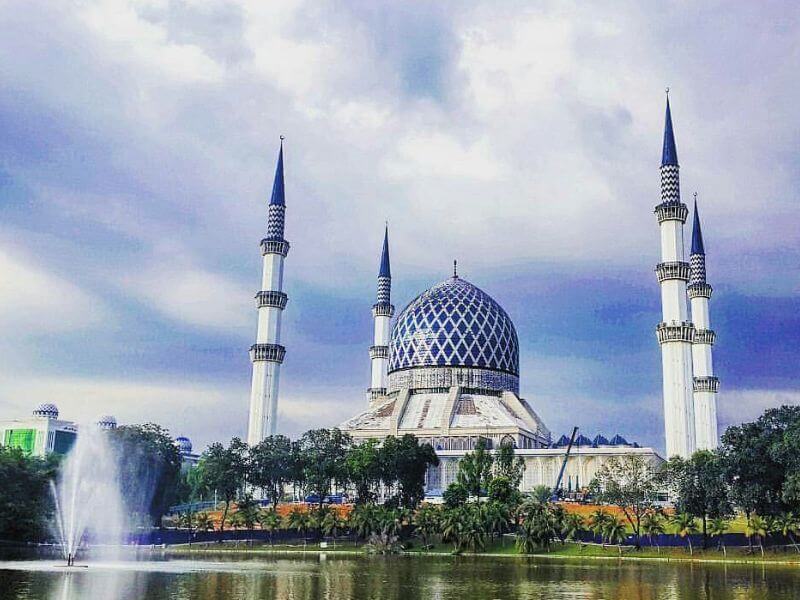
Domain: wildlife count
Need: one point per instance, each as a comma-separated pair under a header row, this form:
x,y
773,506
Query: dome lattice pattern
x,y
454,324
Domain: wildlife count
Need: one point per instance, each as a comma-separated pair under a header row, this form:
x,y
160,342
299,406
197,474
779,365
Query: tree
x,y
653,525
455,495
787,523
598,522
222,470
614,532
475,469
26,504
364,469
699,487
247,510
685,526
502,490
426,522
762,462
572,526
717,528
542,493
270,521
508,465
631,484
452,524
539,526
404,462
324,453
149,469
363,520
204,522
331,524
270,466
757,528
299,520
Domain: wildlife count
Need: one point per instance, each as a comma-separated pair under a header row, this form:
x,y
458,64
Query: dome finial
x,y
455,268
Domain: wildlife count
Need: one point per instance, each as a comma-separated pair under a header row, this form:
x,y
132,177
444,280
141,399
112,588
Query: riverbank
x,y
507,549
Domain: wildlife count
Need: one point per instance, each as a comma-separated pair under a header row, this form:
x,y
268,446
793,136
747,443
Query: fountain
x,y
88,502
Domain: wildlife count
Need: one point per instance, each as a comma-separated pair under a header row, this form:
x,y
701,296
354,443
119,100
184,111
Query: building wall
x,y
542,466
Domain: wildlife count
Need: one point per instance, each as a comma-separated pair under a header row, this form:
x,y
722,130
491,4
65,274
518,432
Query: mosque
x,y
446,370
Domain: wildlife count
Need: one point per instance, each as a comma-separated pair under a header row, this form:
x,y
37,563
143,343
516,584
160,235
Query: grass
x,y
506,547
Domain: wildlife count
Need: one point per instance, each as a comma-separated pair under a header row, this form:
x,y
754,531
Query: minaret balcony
x,y
383,309
271,299
269,246
699,290
672,270
705,336
672,211
267,352
675,331
379,351
375,393
706,384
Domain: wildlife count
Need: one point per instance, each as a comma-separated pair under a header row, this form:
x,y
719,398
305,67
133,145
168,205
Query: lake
x,y
402,578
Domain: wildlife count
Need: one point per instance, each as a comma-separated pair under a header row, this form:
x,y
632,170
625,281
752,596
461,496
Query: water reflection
x,y
396,578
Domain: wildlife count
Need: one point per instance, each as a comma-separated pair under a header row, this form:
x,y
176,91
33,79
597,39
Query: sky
x,y
138,143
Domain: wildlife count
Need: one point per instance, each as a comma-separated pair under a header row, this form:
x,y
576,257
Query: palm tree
x,y
270,520
331,524
363,520
426,522
452,526
653,525
204,522
717,528
527,537
474,531
757,527
787,524
186,521
299,520
598,522
685,526
572,526
615,533
497,517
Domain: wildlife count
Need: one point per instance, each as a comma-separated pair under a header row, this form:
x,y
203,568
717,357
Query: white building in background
x,y
40,434
690,415
267,353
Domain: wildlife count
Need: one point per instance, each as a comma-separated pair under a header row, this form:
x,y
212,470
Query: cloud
x,y
139,146
34,300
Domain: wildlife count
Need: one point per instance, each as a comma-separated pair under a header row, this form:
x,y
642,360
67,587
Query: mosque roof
x,y
454,324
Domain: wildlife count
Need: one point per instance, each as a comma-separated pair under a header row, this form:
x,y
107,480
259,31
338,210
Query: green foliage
x,y
685,525
762,462
404,462
572,526
475,469
509,466
540,526
501,489
25,499
222,470
324,454
270,521
270,466
248,511
364,469
426,522
150,469
699,486
630,483
653,525
542,493
299,520
455,495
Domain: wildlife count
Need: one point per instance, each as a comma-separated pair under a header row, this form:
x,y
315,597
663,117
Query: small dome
x,y
107,422
184,444
46,410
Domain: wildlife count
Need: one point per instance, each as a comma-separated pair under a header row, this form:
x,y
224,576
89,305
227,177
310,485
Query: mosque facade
x,y
446,369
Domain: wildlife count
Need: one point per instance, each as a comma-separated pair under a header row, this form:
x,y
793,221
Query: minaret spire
x,y
382,312
267,353
675,332
706,385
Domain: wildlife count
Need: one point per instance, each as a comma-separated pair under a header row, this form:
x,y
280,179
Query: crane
x,y
557,487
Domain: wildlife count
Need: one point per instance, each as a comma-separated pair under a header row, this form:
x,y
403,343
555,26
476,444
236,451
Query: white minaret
x,y
705,384
382,312
267,353
675,332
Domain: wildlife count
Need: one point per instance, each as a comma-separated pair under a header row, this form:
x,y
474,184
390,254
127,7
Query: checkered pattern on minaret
x,y
275,221
697,264
670,184
384,290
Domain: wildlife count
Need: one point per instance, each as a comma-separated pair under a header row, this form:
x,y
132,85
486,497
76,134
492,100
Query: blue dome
x,y
454,324
184,444
46,410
